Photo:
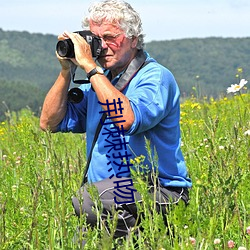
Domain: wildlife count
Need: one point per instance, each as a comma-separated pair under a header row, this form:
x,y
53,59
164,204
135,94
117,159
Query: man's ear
x,y
134,42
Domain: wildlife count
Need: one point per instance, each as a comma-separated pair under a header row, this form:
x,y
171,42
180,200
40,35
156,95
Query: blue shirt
x,y
154,97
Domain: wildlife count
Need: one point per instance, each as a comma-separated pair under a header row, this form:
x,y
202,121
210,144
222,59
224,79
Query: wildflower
x,y
45,216
137,160
132,161
247,133
248,230
221,147
237,87
242,248
14,188
198,182
195,106
216,241
192,240
22,210
240,70
71,167
230,244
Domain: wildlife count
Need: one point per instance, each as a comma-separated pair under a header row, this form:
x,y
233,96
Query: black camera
x,y
65,48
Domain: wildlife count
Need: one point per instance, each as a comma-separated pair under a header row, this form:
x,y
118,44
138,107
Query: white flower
x,y
246,133
217,241
237,87
22,210
242,248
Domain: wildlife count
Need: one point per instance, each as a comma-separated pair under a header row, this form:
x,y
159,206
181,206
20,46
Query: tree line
x,y
202,67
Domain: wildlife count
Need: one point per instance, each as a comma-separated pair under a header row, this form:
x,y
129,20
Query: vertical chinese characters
x,y
117,153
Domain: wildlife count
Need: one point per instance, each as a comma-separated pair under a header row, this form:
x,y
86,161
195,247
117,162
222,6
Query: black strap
x,y
97,132
136,64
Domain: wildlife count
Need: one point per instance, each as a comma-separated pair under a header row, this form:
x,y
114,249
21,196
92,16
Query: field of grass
x,y
40,172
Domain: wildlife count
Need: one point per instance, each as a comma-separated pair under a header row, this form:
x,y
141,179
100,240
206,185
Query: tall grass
x,y
40,172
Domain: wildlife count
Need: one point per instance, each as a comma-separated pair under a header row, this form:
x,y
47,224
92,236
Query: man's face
x,y
118,50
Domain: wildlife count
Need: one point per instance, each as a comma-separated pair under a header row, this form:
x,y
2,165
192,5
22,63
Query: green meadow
x,y
40,172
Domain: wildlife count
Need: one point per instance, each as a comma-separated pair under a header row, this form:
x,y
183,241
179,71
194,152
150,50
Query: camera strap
x,y
136,64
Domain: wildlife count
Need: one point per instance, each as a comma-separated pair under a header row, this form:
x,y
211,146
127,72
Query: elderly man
x,y
140,98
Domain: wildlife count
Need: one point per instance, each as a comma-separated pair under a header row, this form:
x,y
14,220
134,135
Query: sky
x,y
162,19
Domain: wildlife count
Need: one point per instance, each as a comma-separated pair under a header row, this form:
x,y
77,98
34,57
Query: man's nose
x,y
104,44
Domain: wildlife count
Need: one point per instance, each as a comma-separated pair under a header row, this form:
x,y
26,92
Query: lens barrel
x,y
75,95
65,48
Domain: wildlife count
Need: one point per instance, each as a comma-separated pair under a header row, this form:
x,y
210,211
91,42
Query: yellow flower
x,y
137,159
240,70
195,105
132,161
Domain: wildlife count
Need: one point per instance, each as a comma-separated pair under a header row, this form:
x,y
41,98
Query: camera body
x,y
65,48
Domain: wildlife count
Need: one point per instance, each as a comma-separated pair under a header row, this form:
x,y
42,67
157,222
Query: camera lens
x,y
65,48
75,95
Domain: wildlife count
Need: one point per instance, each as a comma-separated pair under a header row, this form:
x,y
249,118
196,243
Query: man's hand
x,y
83,54
66,63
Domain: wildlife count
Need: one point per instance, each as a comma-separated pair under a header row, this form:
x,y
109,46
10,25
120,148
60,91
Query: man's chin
x,y
105,63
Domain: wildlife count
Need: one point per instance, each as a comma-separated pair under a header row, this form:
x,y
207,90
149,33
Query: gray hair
x,y
120,13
